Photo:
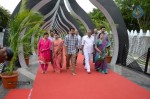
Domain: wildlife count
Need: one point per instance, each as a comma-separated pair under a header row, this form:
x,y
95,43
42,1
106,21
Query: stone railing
x,y
138,42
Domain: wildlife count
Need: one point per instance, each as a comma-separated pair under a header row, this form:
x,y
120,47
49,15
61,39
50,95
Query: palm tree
x,y
25,21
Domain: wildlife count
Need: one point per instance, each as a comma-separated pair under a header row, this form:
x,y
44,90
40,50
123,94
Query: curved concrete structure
x,y
64,31
69,17
80,14
61,23
65,27
21,52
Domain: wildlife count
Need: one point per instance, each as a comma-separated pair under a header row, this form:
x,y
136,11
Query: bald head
x,y
89,32
95,31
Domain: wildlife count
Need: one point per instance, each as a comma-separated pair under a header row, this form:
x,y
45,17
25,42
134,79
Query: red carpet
x,y
18,94
85,86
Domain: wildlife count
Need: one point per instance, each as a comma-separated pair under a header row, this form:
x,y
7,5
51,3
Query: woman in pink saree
x,y
57,53
44,45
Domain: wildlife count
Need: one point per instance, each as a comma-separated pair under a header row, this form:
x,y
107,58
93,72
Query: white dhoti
x,y
87,57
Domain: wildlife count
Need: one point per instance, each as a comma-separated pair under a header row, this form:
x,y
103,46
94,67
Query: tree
x,y
127,6
97,17
25,20
82,28
4,17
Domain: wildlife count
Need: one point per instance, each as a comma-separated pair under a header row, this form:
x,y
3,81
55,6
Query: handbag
x,y
41,59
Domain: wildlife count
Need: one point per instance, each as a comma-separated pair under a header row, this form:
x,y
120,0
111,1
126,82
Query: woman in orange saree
x,y
57,53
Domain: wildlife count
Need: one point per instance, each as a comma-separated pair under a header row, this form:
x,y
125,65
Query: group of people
x,y
52,49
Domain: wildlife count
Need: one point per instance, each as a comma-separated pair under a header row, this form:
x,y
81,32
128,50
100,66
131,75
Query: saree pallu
x,y
100,62
57,54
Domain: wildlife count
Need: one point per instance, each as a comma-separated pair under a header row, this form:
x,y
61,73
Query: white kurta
x,y
88,43
79,41
51,39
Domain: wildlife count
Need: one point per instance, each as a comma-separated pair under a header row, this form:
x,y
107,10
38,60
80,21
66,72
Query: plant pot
x,y
27,61
9,81
108,59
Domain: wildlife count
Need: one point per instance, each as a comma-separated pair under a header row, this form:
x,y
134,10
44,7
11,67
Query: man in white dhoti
x,y
87,49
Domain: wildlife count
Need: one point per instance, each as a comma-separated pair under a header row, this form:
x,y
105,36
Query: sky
x,y
10,5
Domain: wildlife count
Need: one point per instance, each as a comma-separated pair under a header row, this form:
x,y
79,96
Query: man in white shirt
x,y
79,39
87,49
51,38
79,43
51,35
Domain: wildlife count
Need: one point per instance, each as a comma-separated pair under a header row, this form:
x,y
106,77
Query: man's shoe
x,y
89,72
73,74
